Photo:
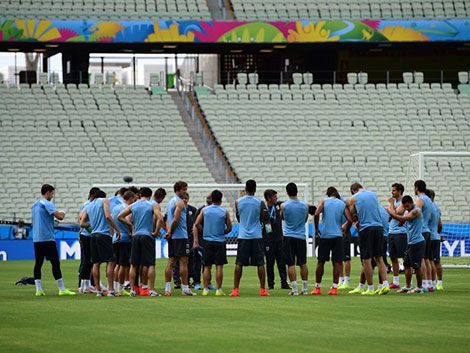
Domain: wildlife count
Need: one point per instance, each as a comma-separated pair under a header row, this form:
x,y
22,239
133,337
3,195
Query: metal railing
x,y
210,143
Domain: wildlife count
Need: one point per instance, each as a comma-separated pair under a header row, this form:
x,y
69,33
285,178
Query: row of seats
x,y
105,9
349,134
357,9
76,137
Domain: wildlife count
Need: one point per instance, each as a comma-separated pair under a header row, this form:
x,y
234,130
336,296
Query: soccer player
x,y
274,239
118,198
414,255
43,213
122,248
294,212
435,226
333,210
345,272
98,216
365,205
177,237
158,196
84,237
424,203
249,211
215,222
397,235
146,222
194,260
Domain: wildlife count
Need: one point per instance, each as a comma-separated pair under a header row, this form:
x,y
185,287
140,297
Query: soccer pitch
x,y
438,322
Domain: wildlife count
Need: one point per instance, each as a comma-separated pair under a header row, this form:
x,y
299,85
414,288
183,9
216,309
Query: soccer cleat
x,y
168,293
357,290
219,293
137,290
125,293
197,286
416,291
316,291
188,293
89,290
404,290
211,287
294,293
112,293
377,291
100,294
394,286
234,293
431,289
368,292
144,292
205,292
263,292
344,286
384,290
40,293
132,293
333,291
66,292
439,287
154,294
425,290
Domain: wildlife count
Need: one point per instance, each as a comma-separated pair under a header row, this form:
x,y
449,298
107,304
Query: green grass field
x,y
438,322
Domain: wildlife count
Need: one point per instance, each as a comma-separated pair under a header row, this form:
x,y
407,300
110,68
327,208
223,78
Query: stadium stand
x,y
335,134
73,137
359,9
105,9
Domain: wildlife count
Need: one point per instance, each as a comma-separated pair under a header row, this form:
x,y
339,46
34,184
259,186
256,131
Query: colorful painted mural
x,y
28,30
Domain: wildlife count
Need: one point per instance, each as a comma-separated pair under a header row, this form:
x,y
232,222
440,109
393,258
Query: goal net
x,y
231,192
447,173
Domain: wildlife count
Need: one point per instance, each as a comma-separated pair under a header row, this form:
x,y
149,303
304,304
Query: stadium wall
x,y
456,244
171,31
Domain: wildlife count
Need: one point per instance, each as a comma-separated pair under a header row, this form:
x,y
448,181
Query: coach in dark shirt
x,y
273,240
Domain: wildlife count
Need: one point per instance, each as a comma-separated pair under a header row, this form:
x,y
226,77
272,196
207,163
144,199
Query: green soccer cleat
x,y
384,290
356,291
439,287
368,292
205,292
40,293
219,293
344,286
66,292
125,293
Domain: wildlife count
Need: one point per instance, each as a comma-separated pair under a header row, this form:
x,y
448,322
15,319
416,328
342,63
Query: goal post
x,y
448,174
231,192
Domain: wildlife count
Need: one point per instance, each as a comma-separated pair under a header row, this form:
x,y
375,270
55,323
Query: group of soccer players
x,y
120,232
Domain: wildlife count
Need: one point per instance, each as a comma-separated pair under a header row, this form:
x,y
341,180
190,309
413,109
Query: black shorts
x,y
122,253
250,252
46,249
295,251
178,247
371,242
101,248
215,253
427,250
347,248
435,251
414,254
143,251
333,245
398,243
